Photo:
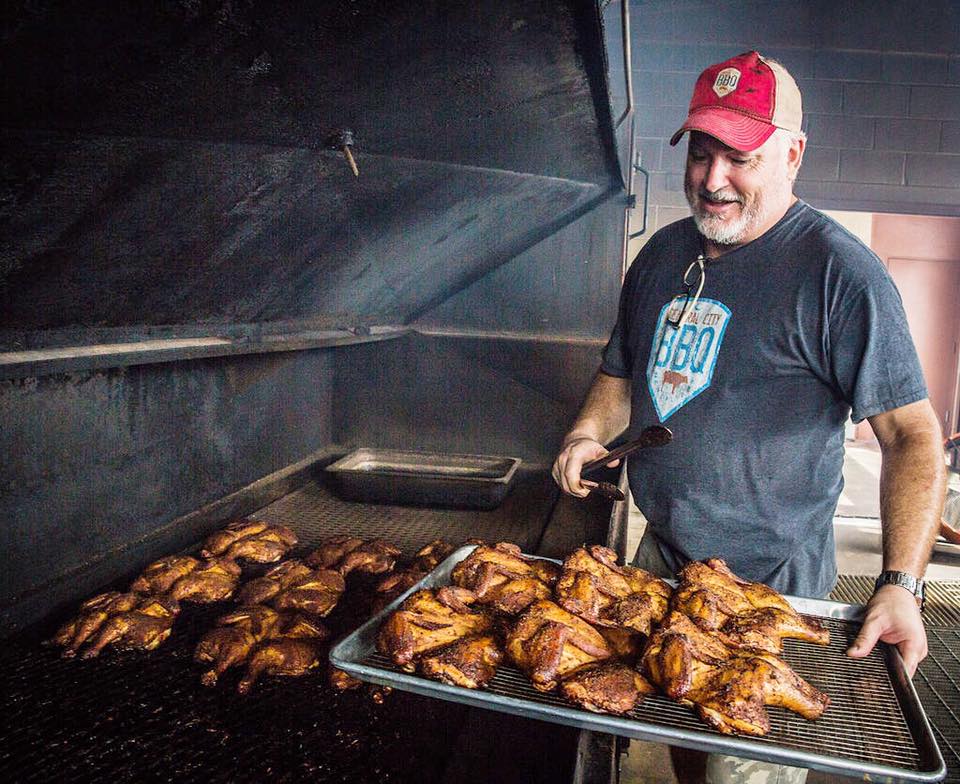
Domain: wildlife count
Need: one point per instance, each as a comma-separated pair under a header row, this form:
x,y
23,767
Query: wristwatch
x,y
905,580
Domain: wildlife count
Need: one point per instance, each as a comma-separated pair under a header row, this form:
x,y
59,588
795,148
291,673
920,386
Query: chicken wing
x,y
214,580
429,620
612,687
230,643
503,579
547,643
90,617
593,586
470,662
142,627
160,576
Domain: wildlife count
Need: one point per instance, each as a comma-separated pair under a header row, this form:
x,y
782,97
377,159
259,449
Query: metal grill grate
x,y
864,722
943,597
144,717
938,685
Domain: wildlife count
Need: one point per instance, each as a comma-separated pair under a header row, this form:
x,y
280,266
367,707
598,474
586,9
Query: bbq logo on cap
x,y
726,81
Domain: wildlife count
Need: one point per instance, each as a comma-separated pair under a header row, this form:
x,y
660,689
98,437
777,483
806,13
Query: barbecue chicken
x,y
235,636
90,617
251,541
160,576
548,643
332,551
611,687
274,580
295,651
372,557
593,586
213,580
424,562
729,687
316,593
429,620
471,662
744,614
502,579
143,626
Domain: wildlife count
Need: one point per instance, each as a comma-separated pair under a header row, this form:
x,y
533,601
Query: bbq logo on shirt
x,y
682,360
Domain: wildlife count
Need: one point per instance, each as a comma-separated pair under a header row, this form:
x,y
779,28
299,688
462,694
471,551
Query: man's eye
x,y
697,156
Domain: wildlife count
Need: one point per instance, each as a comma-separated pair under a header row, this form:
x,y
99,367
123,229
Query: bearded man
x,y
756,328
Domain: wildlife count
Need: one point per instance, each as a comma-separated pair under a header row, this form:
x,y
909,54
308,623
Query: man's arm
x,y
912,487
604,415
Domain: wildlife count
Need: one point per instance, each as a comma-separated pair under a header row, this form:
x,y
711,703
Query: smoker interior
x,y
131,716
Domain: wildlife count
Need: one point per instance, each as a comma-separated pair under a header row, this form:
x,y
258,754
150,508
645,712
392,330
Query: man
x,y
753,329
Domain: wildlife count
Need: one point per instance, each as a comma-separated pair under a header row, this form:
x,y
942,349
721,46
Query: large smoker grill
x,y
202,307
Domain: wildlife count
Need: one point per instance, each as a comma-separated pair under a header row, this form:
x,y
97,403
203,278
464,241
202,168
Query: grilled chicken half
x,y
160,576
429,620
548,643
595,587
251,541
471,662
236,634
503,579
293,652
142,627
611,687
92,614
213,580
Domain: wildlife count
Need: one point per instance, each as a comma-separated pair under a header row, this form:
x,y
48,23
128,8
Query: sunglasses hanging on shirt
x,y
693,279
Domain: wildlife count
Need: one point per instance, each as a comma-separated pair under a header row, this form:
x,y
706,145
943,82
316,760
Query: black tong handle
x,y
655,435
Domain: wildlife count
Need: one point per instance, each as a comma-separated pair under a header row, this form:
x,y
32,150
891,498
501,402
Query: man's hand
x,y
566,468
893,617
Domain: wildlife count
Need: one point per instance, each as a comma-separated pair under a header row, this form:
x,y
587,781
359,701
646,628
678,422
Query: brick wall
x,y
880,84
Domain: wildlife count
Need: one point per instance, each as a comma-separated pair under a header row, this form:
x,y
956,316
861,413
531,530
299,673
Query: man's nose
x,y
715,178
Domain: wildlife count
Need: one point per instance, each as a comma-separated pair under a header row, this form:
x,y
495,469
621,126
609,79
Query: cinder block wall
x,y
880,83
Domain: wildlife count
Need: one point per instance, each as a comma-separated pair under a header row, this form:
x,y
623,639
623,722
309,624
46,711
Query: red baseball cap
x,y
742,101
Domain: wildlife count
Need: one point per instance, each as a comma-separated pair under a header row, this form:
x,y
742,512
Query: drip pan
x,y
875,727
423,478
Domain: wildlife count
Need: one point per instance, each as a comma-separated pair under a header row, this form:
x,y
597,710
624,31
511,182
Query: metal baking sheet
x,y
423,478
875,726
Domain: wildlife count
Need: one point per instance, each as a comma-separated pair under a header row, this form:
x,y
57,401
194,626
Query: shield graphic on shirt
x,y
682,360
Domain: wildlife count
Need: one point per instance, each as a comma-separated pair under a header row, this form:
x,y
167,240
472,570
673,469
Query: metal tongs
x,y
655,435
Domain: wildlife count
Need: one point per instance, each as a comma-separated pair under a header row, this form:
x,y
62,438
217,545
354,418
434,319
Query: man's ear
x,y
795,156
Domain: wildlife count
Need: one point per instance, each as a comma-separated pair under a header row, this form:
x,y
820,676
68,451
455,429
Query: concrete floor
x,y
857,532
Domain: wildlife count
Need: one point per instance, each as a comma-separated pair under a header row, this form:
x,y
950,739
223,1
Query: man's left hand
x,y
893,617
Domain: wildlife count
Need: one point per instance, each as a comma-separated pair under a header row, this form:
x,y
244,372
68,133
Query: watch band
x,y
905,580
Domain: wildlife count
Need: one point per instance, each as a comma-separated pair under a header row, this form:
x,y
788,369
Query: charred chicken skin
x,y
593,586
142,627
251,541
746,614
317,593
471,662
235,636
548,643
728,686
90,617
160,576
612,687
502,579
275,580
214,580
429,620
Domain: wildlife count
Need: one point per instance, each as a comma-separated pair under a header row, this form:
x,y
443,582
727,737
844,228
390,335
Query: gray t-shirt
x,y
791,332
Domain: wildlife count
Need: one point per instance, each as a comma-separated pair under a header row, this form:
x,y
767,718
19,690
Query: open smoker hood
x,y
170,165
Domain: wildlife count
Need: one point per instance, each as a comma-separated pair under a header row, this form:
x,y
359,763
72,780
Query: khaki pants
x,y
720,768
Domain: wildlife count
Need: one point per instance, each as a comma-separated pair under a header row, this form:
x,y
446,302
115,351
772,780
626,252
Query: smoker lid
x,y
169,164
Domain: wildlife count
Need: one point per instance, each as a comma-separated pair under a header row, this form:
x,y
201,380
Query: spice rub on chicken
x,y
611,687
470,662
548,643
250,540
595,587
729,687
428,620
742,613
503,579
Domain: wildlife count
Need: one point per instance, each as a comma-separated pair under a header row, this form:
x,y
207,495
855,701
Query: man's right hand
x,y
566,468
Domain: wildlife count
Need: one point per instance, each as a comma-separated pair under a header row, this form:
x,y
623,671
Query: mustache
x,y
719,196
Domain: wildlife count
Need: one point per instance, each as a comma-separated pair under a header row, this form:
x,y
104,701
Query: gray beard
x,y
726,232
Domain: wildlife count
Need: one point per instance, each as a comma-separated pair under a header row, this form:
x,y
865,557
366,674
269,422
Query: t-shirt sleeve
x,y
872,354
617,358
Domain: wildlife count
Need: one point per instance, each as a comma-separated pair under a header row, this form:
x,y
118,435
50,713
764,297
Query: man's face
x,y
736,196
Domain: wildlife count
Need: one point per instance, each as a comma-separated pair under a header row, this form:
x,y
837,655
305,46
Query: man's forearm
x,y
605,412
